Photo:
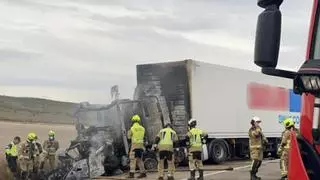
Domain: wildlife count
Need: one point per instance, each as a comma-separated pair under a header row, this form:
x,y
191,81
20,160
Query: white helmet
x,y
192,120
256,119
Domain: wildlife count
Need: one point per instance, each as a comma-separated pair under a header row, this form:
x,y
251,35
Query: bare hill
x,y
34,110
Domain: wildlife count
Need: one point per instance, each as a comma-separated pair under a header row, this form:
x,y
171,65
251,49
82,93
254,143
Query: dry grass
x,y
4,174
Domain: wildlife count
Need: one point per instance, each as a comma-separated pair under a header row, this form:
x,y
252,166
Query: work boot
x,y
142,175
131,175
192,175
160,178
253,176
170,178
200,175
256,177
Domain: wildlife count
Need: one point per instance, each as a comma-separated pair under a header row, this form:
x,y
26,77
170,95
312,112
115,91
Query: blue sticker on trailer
x,y
295,118
294,107
295,102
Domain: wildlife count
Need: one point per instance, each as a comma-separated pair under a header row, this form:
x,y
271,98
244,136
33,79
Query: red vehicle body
x,y
304,156
297,169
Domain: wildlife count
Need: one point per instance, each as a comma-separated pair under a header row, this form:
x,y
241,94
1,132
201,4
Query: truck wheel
x,y
180,157
150,160
218,151
150,164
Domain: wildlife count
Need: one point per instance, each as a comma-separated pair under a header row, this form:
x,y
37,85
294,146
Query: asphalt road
x,y
269,170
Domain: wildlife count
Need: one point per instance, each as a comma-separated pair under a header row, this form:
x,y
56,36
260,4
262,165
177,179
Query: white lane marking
x,y
234,169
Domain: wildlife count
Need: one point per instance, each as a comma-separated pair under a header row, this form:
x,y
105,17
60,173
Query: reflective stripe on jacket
x,y
29,150
195,137
167,137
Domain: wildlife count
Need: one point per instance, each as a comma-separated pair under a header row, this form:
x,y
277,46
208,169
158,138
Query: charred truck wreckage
x,y
101,146
171,92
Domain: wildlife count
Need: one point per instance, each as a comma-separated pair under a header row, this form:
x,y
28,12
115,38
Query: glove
x,y
154,147
266,140
145,143
279,152
187,143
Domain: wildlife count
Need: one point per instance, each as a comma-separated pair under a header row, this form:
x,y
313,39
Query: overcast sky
x,y
75,50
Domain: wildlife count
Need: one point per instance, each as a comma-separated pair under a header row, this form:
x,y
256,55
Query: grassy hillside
x,y
33,110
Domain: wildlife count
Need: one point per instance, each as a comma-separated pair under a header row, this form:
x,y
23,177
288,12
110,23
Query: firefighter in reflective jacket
x,y
194,140
164,143
50,148
37,158
256,140
12,155
136,136
284,147
28,154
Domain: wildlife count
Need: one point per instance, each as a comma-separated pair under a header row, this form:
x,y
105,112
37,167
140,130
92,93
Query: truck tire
x,y
150,160
218,151
150,164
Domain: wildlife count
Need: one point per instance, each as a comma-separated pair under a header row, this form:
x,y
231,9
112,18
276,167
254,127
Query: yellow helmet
x,y
136,118
31,136
51,133
288,122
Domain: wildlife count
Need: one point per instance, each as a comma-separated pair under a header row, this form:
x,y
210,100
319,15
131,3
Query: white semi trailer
x,y
222,99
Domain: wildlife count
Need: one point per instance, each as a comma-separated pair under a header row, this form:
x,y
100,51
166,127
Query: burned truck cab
x,y
102,131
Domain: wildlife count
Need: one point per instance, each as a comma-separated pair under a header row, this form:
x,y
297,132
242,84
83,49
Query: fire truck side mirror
x,y
268,32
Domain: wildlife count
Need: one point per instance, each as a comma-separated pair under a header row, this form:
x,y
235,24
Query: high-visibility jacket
x,y
195,139
167,137
11,150
136,135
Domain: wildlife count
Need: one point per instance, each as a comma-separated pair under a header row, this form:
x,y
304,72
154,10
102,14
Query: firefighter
x,y
256,141
27,156
50,148
194,140
284,147
12,155
136,137
164,142
295,129
38,157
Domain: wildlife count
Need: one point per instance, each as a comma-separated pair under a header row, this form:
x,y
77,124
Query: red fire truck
x,y
304,158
